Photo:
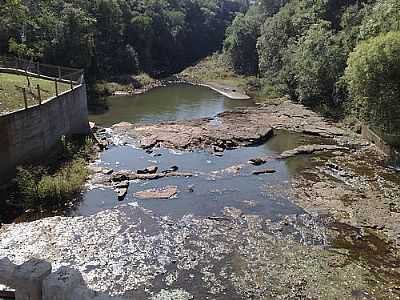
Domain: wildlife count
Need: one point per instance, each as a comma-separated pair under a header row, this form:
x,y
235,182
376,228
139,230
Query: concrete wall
x,y
29,134
371,136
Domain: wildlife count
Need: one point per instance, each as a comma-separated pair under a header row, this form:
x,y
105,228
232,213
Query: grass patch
x,y
11,96
51,187
216,69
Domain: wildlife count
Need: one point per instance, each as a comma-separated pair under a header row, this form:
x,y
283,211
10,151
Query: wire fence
x,y
44,70
58,79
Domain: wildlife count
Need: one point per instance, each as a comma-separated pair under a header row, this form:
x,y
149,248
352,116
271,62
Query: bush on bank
x,y
56,184
373,78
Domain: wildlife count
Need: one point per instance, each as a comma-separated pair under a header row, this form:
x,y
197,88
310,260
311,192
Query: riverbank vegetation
x,y
303,48
114,37
52,185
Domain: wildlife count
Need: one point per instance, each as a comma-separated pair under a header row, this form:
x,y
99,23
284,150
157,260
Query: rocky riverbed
x,y
339,241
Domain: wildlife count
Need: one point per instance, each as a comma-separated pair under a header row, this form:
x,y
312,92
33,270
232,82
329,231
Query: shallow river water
x,y
226,234
218,181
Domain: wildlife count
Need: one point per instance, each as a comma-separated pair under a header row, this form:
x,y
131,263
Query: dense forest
x,y
108,37
324,53
338,55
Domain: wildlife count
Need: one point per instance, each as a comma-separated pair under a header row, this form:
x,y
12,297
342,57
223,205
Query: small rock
x,y
171,169
161,193
107,171
217,148
121,192
190,188
122,184
120,177
148,170
394,208
257,161
264,171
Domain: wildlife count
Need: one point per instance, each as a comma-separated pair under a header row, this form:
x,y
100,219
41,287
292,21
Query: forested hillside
x,y
108,37
331,53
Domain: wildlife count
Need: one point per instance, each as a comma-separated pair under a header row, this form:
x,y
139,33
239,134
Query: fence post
x,y
59,72
56,85
40,98
25,99
72,85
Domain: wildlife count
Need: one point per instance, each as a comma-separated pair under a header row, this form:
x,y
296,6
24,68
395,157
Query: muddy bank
x,y
131,252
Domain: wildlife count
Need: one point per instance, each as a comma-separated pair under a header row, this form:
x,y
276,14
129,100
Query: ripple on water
x,y
218,181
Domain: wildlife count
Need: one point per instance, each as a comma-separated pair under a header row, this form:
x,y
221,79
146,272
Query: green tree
x,y
240,44
317,62
384,17
372,76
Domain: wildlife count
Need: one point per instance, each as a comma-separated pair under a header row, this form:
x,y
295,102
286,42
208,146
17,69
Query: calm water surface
x,y
173,102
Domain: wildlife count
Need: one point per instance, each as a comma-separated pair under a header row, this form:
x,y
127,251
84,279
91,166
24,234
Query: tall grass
x,y
57,184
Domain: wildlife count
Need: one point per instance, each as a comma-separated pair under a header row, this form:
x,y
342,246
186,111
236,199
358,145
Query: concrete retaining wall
x,y
29,134
371,136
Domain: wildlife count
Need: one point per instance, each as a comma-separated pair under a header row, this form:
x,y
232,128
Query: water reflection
x,y
212,188
174,102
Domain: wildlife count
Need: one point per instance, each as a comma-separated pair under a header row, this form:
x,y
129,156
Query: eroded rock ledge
x,y
228,130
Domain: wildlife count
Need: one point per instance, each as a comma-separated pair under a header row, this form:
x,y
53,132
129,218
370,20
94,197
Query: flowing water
x,y
181,252
218,181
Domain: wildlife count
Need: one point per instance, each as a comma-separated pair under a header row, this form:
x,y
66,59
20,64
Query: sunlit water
x,y
213,186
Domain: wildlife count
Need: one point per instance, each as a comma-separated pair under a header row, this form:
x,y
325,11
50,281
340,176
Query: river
x,y
293,232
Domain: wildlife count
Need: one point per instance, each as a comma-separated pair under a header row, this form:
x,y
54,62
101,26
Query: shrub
x,y
54,186
317,63
373,79
240,44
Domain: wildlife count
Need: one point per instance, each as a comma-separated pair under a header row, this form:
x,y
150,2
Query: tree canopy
x,y
117,36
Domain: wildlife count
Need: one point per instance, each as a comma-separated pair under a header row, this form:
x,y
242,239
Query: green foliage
x,y
383,17
240,44
281,31
317,63
114,37
56,185
372,76
41,190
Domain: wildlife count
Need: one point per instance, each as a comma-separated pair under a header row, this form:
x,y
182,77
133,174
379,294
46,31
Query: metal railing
x,y
31,69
